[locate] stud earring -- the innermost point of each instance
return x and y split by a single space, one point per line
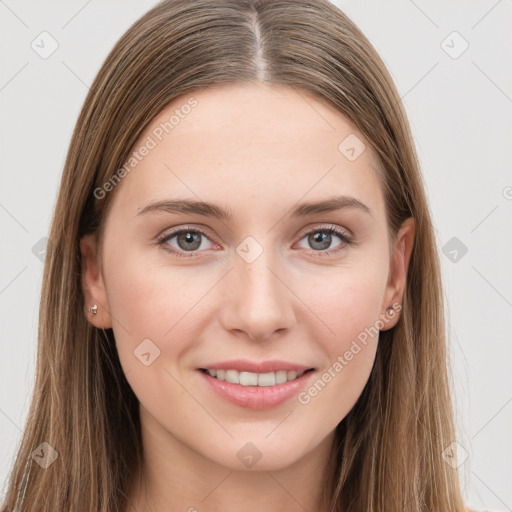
94 309
389 311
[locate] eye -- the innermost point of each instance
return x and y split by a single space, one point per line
188 240
321 239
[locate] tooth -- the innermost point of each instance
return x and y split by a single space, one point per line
292 375
248 379
255 379
281 376
233 376
266 379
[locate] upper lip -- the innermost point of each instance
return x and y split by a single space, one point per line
244 365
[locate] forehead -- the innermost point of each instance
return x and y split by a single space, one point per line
245 143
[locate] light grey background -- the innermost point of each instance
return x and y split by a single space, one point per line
459 108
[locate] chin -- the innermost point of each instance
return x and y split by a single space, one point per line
259 454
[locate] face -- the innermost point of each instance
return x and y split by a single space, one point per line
261 281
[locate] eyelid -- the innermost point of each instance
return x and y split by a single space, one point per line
173 231
340 231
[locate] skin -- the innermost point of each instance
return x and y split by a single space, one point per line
256 151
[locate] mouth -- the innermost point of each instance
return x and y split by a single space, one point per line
253 379
266 386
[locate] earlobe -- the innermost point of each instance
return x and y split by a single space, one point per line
397 281
93 286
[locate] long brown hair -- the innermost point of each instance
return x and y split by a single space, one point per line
388 452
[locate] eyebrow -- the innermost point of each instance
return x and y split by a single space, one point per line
184 206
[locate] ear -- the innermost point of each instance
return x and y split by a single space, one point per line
93 285
397 280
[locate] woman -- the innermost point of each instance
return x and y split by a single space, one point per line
242 306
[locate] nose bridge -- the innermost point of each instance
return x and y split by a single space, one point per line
257 278
260 302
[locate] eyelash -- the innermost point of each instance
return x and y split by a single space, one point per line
332 230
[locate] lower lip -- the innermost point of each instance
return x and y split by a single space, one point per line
256 397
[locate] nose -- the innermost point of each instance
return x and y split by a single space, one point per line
259 303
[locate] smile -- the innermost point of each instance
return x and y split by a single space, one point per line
256 391
254 379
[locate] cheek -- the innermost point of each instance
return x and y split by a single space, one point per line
149 301
150 297
347 300
349 308
152 312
